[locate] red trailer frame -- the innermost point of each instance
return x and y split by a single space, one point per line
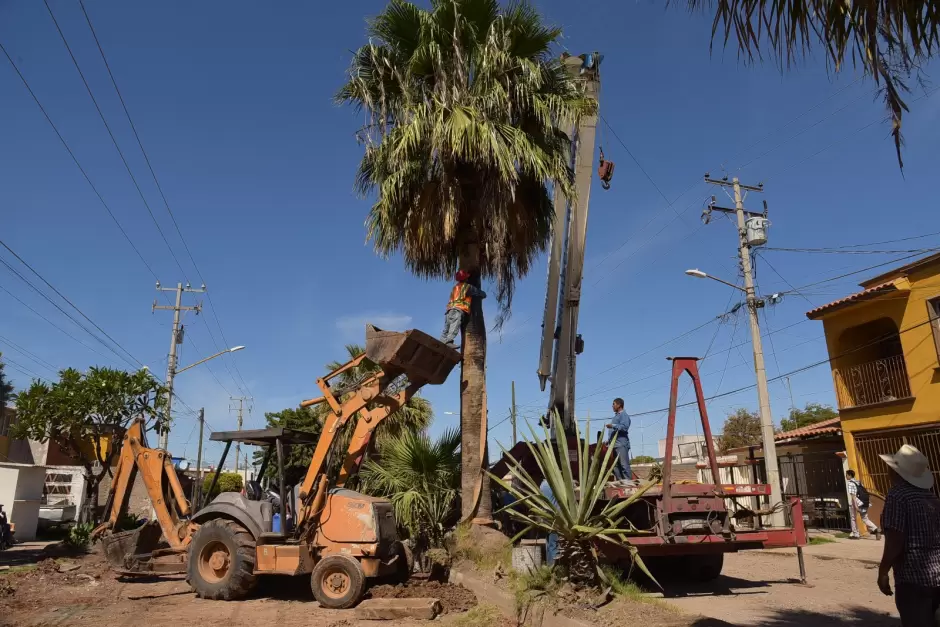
692 518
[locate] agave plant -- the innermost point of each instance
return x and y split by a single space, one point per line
581 524
421 478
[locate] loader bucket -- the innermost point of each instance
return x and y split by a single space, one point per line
422 358
130 551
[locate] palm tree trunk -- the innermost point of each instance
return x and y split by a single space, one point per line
474 482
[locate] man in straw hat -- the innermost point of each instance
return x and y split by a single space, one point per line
911 523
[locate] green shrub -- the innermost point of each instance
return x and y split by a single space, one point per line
126 522
79 536
228 482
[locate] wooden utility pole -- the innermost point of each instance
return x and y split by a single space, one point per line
197 493
744 224
513 414
240 408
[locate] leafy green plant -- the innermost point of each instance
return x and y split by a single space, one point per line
228 482
79 536
421 478
127 521
578 516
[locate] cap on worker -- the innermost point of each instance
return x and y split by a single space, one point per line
911 464
462 275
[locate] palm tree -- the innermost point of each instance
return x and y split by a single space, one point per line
890 40
463 107
421 478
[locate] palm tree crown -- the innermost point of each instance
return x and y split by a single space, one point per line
464 104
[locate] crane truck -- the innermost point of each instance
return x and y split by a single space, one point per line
341 538
692 525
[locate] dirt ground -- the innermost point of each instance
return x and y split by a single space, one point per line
453 598
755 589
763 589
91 595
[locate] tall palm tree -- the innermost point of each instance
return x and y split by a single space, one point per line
890 40
463 106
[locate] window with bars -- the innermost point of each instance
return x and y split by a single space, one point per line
933 310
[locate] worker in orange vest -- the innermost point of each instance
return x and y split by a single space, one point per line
458 307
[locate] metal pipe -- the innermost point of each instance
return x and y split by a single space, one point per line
280 480
218 471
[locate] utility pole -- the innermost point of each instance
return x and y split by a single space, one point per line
176 337
751 232
240 409
197 493
513 414
790 390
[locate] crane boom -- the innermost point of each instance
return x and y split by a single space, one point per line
561 342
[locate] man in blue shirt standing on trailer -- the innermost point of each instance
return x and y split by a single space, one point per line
620 426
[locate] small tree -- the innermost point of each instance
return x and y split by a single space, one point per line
228 482
742 428
642 459
809 415
80 410
6 391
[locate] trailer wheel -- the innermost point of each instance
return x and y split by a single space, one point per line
222 561
338 582
704 568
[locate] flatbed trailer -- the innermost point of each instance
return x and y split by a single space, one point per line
693 521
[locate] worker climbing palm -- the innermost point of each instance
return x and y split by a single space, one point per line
458 307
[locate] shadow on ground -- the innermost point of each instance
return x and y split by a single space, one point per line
853 617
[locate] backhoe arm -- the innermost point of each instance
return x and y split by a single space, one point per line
364 394
163 487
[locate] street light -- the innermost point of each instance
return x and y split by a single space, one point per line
202 361
698 274
172 371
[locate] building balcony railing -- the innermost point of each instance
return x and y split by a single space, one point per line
872 382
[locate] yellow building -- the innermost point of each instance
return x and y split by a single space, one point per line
884 350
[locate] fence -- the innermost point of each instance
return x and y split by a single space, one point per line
873 472
815 478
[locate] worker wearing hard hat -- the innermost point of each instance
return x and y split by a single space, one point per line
458 307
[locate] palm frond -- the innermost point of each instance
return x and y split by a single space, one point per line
889 40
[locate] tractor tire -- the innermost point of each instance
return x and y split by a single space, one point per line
705 568
222 561
338 582
404 565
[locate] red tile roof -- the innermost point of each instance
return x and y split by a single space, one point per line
858 296
832 425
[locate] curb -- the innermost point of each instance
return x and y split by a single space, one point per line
491 593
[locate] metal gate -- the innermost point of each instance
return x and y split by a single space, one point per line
817 479
872 470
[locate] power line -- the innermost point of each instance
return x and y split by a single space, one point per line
66 333
113 139
836 251
63 297
166 202
29 355
848 274
75 159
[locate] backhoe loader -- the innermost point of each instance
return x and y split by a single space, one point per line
338 536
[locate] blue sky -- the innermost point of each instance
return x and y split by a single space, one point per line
233 105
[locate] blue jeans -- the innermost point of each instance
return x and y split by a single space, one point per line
622 470
453 320
551 548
